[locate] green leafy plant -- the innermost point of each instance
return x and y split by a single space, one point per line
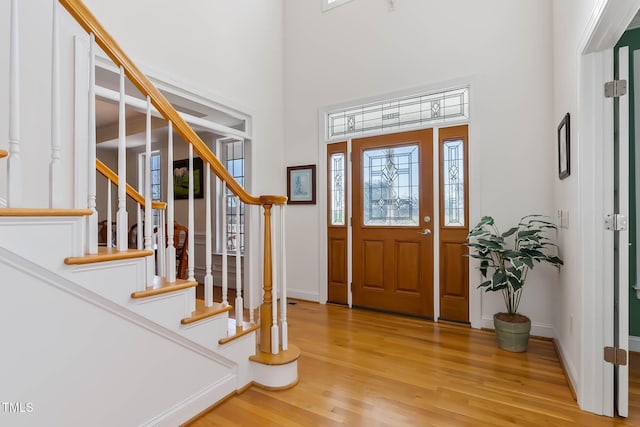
506 258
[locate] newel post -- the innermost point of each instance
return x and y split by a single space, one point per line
266 307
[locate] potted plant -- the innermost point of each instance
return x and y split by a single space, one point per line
505 260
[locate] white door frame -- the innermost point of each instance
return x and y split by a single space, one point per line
595 127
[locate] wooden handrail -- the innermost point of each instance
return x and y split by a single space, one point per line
131 192
3 153
91 25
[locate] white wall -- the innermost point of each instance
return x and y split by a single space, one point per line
570 18
361 49
229 51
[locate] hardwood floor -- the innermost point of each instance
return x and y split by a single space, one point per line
360 368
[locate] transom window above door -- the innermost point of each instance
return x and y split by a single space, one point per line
410 111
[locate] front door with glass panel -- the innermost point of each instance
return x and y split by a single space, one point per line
392 222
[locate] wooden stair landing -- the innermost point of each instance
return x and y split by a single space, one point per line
107 254
160 286
290 355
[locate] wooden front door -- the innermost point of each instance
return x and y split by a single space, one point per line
392 222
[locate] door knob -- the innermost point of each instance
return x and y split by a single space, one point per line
426 231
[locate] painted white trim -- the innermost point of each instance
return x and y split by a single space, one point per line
198 95
304 295
3 203
569 367
195 404
622 284
595 387
435 222
537 329
140 106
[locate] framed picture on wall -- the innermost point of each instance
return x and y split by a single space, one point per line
301 185
181 179
564 152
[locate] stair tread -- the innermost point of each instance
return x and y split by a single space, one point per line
203 312
3 153
107 254
235 332
161 286
290 355
43 212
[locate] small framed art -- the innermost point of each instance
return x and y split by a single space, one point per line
301 185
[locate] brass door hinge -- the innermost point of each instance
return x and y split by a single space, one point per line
614 355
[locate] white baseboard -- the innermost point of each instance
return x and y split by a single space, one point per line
195 404
303 295
634 343
537 329
569 367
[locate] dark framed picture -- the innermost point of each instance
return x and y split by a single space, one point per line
564 145
301 185
181 178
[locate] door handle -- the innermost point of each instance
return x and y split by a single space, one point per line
426 232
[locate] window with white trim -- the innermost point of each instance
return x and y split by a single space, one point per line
406 112
234 160
155 180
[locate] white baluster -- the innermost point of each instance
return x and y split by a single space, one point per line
191 252
284 327
239 303
92 221
171 249
139 226
208 277
55 171
225 241
14 163
275 334
109 236
161 249
148 218
122 218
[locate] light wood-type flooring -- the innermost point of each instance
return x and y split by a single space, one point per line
362 368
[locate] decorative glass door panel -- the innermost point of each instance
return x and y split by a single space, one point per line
391 186
393 206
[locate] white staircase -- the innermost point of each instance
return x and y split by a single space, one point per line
106 343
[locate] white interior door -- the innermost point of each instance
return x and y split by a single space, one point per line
622 246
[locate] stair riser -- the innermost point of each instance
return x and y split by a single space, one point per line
36 238
165 309
243 345
115 280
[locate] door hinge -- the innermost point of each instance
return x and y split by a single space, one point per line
615 222
614 355
615 88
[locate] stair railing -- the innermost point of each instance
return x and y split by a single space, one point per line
273 328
